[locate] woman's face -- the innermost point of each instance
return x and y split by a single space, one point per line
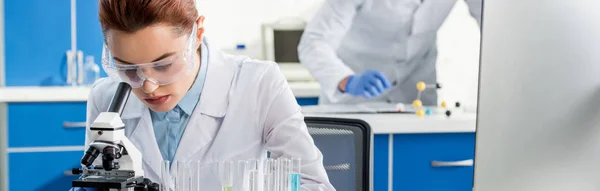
152 44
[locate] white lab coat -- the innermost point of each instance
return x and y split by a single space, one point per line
397 37
246 108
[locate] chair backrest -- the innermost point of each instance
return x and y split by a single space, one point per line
346 147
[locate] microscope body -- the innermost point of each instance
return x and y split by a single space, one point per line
120 165
121 162
108 135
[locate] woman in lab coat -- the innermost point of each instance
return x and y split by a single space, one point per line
193 102
375 50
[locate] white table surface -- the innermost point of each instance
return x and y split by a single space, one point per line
405 123
67 94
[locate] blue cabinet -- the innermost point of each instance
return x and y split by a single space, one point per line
42 170
308 101
414 153
380 162
42 124
412 159
40 148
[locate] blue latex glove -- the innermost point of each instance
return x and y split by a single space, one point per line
369 84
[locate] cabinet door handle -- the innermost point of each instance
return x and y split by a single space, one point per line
460 163
69 125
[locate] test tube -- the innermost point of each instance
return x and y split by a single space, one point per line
165 181
288 172
174 175
182 176
195 172
241 174
268 174
296 164
227 179
253 175
276 175
253 180
252 164
284 174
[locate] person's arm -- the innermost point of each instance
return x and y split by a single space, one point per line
321 38
475 9
284 131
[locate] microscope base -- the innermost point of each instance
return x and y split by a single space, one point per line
101 183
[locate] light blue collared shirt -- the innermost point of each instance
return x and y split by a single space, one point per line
169 126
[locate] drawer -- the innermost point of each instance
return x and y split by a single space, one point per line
307 101
42 124
380 161
414 154
42 170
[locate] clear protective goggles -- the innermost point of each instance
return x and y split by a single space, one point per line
163 72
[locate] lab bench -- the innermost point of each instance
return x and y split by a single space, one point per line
432 153
410 153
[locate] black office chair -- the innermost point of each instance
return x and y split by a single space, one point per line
346 147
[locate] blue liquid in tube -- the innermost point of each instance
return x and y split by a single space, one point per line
294 182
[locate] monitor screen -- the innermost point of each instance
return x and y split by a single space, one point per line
286 45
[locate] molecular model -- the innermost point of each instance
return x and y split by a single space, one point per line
418 104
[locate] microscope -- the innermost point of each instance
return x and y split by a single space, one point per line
121 167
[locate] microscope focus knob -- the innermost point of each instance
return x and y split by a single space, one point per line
147 185
76 171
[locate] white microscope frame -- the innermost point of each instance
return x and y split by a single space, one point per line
108 127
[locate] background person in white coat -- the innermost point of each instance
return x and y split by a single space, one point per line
193 102
375 50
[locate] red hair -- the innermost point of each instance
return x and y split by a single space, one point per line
133 15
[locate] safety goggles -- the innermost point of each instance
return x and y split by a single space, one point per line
163 72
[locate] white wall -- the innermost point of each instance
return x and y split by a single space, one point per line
229 22
238 21
458 58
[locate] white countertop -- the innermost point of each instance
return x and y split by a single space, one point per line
405 123
68 94
299 79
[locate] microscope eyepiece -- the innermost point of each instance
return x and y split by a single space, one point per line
90 156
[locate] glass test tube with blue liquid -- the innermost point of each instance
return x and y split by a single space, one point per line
294 184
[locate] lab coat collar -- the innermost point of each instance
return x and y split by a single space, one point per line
200 130
219 77
192 97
